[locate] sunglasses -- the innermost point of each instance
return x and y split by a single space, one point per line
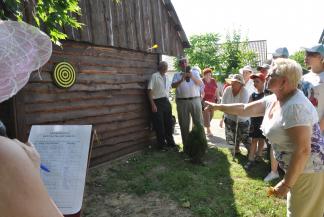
273 74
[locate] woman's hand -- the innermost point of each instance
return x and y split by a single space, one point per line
281 189
209 105
31 152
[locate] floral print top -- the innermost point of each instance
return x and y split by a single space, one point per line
296 111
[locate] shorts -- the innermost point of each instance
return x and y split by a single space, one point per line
242 134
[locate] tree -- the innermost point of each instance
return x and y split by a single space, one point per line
299 58
207 51
50 15
234 55
203 50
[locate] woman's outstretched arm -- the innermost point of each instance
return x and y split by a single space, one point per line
252 109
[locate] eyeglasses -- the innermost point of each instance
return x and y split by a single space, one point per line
272 74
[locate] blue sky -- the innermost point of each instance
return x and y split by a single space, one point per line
290 23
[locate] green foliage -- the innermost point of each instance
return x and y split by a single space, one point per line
203 50
299 58
52 15
197 144
235 54
207 51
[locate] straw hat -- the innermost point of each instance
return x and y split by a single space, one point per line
236 77
23 49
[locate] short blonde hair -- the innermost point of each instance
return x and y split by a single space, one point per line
288 68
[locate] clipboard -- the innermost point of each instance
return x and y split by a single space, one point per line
66 151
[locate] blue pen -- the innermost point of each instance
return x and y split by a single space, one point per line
43 167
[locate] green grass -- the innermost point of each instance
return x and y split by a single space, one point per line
221 188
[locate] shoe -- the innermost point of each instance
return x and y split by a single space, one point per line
237 151
271 176
258 159
249 165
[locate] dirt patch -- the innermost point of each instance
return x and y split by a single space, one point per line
126 205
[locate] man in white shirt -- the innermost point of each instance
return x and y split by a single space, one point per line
158 93
313 82
188 85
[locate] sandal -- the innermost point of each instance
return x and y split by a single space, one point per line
249 165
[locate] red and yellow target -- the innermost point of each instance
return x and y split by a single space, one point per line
64 75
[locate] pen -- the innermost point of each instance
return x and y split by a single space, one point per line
43 167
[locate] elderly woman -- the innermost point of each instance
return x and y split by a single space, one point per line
236 127
210 94
291 124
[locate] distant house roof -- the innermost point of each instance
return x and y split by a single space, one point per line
321 40
260 48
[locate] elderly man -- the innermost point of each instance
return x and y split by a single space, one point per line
158 93
247 71
188 85
313 82
236 127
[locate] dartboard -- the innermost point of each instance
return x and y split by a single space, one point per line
64 75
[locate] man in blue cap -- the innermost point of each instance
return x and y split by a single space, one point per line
313 82
281 52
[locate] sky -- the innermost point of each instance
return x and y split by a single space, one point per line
283 23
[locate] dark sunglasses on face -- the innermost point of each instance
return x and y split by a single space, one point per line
272 75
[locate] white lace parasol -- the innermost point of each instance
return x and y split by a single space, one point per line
23 49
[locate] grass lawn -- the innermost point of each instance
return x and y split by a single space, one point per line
220 188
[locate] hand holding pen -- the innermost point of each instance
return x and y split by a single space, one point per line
32 153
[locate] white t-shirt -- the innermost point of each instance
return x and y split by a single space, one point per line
249 86
160 85
313 88
296 111
187 89
242 97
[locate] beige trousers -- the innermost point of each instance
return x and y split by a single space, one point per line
306 198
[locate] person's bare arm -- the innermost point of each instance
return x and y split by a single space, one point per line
22 190
196 80
301 137
252 109
216 95
153 106
177 83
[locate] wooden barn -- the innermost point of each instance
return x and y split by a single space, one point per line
112 62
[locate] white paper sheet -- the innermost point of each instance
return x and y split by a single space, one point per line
64 151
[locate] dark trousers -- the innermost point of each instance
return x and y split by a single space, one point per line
163 123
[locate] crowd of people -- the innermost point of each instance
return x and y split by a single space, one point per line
276 105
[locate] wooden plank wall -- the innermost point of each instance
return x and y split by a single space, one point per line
131 24
110 93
